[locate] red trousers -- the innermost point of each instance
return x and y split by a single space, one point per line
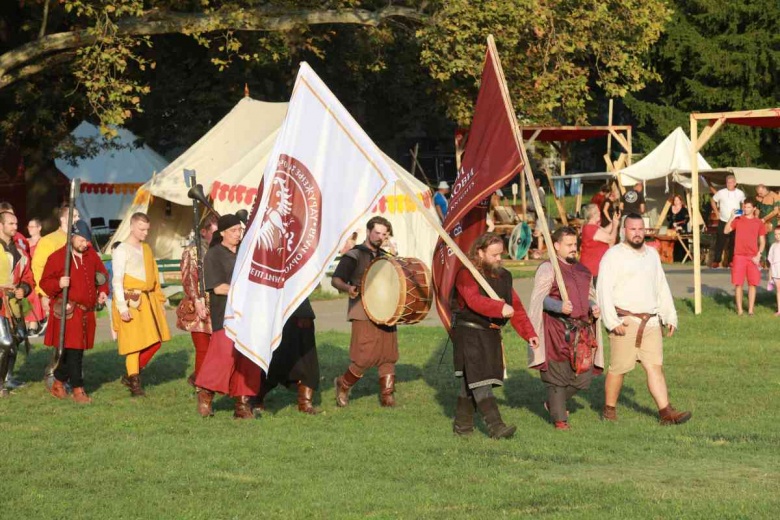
147 354
226 370
201 342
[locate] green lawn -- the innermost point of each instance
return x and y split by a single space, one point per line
155 458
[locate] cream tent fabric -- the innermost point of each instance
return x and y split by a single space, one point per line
229 162
669 157
115 166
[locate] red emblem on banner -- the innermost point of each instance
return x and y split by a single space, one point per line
290 230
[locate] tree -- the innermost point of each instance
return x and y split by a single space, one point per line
715 56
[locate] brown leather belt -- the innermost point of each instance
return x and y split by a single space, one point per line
643 316
477 326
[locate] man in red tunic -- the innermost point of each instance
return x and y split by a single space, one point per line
562 325
476 335
88 287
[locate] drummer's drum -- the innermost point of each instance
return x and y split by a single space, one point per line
396 290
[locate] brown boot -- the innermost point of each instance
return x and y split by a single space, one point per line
386 390
243 409
671 416
80 396
58 389
305 396
205 397
191 380
464 417
492 417
343 384
134 384
609 413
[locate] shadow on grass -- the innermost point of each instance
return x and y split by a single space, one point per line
725 299
106 366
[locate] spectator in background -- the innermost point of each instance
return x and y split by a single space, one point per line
610 208
440 199
542 197
34 230
724 202
633 200
768 206
773 259
601 197
596 240
677 219
749 243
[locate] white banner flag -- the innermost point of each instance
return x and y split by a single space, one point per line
323 175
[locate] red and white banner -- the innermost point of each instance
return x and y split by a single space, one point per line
492 156
323 175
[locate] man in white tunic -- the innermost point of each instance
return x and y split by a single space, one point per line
636 302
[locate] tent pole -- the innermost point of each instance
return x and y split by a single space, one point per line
696 227
609 136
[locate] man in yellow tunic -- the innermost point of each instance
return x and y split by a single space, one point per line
46 246
137 308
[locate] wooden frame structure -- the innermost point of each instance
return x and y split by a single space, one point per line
764 118
558 135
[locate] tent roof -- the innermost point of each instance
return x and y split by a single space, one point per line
226 153
765 118
673 155
568 133
125 164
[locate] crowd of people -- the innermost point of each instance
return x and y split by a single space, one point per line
603 274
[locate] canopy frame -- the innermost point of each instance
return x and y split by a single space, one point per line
763 118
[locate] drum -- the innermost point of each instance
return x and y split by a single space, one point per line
396 290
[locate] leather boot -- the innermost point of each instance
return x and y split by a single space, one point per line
191 380
305 396
205 397
609 413
11 382
464 416
80 396
243 409
386 390
58 389
671 416
343 384
134 384
496 427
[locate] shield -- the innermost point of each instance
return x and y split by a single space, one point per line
520 241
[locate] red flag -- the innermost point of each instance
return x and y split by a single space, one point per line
490 160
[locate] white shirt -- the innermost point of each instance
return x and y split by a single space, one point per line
125 259
634 280
728 201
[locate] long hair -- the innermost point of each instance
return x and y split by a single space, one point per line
482 242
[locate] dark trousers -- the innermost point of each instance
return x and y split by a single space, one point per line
723 242
70 367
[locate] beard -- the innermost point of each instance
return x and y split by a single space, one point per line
636 245
571 260
491 270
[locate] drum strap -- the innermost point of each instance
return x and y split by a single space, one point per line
477 326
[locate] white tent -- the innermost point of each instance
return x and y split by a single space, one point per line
673 155
229 162
110 179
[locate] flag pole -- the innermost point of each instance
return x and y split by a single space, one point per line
434 222
541 219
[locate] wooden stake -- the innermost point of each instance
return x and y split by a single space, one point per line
696 229
609 136
662 215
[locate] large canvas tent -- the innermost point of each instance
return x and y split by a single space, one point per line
110 179
667 164
229 162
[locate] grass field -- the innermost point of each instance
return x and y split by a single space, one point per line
155 458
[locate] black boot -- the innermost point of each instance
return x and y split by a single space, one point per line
464 417
492 417
11 383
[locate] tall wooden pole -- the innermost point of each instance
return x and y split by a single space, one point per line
609 136
696 228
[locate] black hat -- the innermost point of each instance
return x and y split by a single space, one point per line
81 228
227 222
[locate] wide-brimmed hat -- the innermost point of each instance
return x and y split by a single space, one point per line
443 186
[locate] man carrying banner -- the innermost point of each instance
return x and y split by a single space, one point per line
567 333
295 363
225 369
479 361
88 283
137 309
16 283
371 345
192 314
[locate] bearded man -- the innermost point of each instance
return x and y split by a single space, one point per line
570 351
476 334
636 302
88 287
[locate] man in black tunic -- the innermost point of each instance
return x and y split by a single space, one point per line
294 362
476 335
